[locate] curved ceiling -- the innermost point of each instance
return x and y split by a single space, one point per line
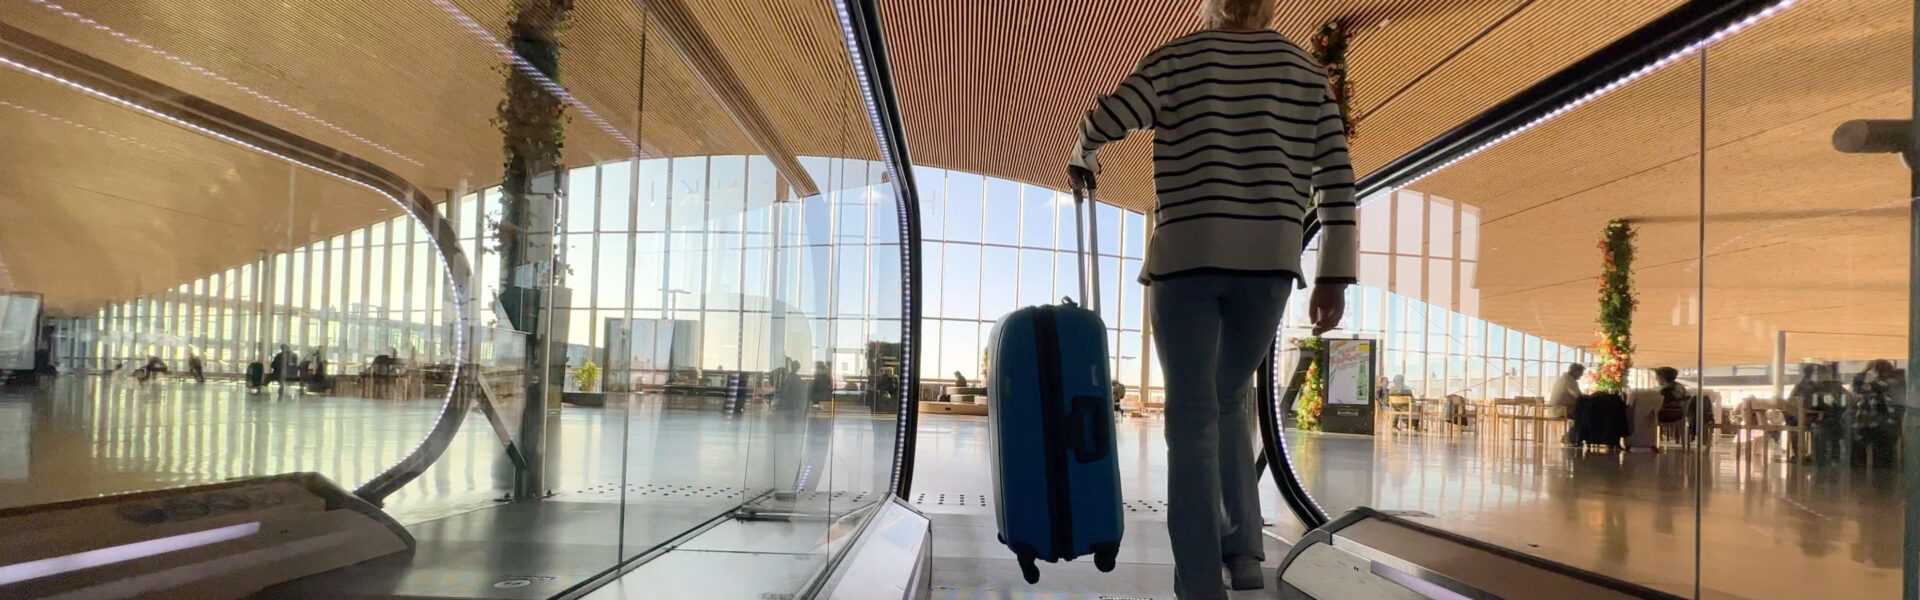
409 86
998 90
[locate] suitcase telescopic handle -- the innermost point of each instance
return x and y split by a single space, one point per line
1086 227
1090 433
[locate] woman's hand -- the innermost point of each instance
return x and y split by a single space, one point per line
1327 306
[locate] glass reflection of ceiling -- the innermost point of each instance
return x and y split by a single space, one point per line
409 86
1798 236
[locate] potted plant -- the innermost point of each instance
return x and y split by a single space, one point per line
587 380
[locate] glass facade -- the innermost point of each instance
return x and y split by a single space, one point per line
375 290
1419 257
991 245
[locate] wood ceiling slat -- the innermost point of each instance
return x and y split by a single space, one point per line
404 85
1540 40
1798 236
997 89
88 221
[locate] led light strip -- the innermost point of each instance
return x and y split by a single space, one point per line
82 19
459 296
520 64
907 344
48 567
1606 89
1280 437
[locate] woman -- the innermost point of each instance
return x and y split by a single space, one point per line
1248 143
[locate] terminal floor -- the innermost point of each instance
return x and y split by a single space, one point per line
1770 529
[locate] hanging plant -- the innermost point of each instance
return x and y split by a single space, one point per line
1312 401
531 120
1617 303
1330 50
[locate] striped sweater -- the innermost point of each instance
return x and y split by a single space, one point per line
1248 148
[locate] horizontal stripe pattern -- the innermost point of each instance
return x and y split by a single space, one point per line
1249 151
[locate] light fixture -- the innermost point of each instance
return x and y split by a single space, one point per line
48 567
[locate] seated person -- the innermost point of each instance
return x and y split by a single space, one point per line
1822 397
1565 394
1674 398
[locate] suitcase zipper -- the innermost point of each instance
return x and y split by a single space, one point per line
1046 336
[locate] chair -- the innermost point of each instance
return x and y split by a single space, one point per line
1532 410
1398 408
385 372
1644 408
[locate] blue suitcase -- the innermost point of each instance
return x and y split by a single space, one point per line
1056 476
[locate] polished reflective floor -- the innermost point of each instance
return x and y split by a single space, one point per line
1772 528
953 485
86 435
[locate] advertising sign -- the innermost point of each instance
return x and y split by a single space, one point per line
1350 371
19 317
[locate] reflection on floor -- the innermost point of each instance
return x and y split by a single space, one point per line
90 435
1770 529
953 485
627 478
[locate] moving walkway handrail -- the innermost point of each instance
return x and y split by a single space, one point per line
867 51
1274 446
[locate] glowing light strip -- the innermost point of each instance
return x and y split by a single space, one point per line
1414 583
1609 88
1280 437
907 343
48 567
175 59
460 299
526 68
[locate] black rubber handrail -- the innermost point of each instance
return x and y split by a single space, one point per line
1271 402
869 52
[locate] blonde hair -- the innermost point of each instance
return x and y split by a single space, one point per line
1236 14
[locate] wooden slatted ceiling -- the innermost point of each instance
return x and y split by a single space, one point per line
1798 236
88 220
410 88
998 89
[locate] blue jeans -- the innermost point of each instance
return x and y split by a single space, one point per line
1212 332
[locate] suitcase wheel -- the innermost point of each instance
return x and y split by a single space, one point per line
1103 559
1028 570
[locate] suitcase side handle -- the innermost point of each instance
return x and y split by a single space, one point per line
1090 434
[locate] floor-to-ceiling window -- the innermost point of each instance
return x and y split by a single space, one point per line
992 245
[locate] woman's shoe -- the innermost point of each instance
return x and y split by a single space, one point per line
1244 573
